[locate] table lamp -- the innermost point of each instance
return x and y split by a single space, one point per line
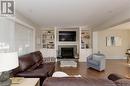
8 61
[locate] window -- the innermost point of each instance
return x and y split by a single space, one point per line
15 37
6 35
23 39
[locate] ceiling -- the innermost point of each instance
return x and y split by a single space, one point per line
124 26
65 13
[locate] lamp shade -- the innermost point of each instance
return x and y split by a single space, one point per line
8 61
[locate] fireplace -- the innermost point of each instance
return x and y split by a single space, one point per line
67 52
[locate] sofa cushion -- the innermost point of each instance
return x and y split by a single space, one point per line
122 82
41 71
37 73
49 67
35 66
32 67
40 62
25 62
37 56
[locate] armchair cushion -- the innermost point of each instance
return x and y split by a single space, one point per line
93 62
97 57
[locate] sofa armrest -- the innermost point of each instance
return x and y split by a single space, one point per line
115 77
15 71
76 81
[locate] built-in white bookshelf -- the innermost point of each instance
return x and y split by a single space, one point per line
85 39
48 39
50 42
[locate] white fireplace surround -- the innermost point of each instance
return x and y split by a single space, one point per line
80 53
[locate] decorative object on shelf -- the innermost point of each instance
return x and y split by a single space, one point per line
87 46
48 39
49 59
44 46
128 56
113 41
6 66
128 51
85 39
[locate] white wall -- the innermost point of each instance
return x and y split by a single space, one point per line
112 52
95 42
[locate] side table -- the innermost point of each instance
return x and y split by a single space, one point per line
28 82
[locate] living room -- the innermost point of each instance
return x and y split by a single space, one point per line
73 41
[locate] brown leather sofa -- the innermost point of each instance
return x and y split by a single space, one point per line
113 80
32 65
119 80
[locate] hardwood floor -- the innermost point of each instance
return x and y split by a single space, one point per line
112 66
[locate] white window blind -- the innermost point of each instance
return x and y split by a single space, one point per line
15 37
23 39
7 43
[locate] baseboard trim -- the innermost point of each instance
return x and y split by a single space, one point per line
116 57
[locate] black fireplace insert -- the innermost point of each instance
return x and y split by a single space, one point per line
67 52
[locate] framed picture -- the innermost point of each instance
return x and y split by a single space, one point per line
113 41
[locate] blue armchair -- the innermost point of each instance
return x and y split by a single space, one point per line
96 61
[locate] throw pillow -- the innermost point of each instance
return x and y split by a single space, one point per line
60 74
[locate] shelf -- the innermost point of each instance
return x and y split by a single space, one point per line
85 39
48 39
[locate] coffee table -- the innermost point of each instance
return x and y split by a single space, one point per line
28 82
